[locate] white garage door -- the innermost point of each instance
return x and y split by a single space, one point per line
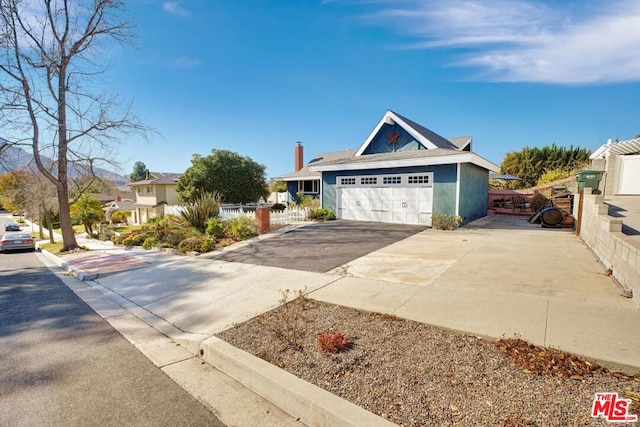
404 198
629 175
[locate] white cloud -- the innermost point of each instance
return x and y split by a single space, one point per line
573 42
174 7
184 62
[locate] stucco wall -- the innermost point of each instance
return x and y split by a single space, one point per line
444 185
617 251
474 187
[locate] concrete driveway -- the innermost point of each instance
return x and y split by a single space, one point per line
322 246
497 254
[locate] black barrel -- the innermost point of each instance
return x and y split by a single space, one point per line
552 217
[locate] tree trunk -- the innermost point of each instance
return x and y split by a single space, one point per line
68 236
41 234
47 215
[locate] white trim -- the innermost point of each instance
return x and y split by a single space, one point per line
458 189
388 117
297 178
467 157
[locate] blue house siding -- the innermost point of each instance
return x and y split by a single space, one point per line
292 189
444 185
474 188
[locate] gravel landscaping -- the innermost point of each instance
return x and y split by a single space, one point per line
419 375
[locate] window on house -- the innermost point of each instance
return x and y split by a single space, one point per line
139 190
149 190
309 186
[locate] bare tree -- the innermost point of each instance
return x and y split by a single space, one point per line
52 59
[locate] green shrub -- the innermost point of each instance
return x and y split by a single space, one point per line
205 206
322 215
216 227
306 201
118 238
119 217
552 175
241 228
197 244
150 242
190 244
445 221
134 239
208 245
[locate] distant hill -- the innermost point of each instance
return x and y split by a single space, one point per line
15 158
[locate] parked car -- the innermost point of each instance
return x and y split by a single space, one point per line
17 241
12 226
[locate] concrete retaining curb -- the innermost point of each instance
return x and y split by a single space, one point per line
313 405
81 275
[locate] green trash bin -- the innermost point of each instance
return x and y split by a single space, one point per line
589 178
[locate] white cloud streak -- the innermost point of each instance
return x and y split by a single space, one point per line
175 8
571 43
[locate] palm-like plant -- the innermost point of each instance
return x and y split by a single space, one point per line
206 205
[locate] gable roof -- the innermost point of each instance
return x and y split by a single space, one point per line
424 136
462 142
158 178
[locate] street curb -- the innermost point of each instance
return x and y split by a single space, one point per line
313 405
81 275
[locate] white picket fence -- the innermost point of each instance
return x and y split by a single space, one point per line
286 216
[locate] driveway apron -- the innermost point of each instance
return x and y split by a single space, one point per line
321 247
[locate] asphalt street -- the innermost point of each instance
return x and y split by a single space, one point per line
63 365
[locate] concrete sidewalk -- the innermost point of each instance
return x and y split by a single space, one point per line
496 277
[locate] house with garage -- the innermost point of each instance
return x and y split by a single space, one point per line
402 173
621 162
154 194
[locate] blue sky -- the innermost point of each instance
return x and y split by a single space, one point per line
257 76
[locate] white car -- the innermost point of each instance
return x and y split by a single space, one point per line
17 241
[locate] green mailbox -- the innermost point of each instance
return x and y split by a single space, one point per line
589 178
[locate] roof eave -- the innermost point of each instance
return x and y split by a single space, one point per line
420 161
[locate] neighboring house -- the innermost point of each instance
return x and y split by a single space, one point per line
121 205
153 194
621 162
402 173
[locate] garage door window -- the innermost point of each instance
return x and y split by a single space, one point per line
369 180
347 181
392 180
419 179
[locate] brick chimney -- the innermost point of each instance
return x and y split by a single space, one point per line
118 198
298 157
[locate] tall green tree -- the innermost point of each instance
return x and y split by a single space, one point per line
530 163
88 212
53 54
236 178
140 172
